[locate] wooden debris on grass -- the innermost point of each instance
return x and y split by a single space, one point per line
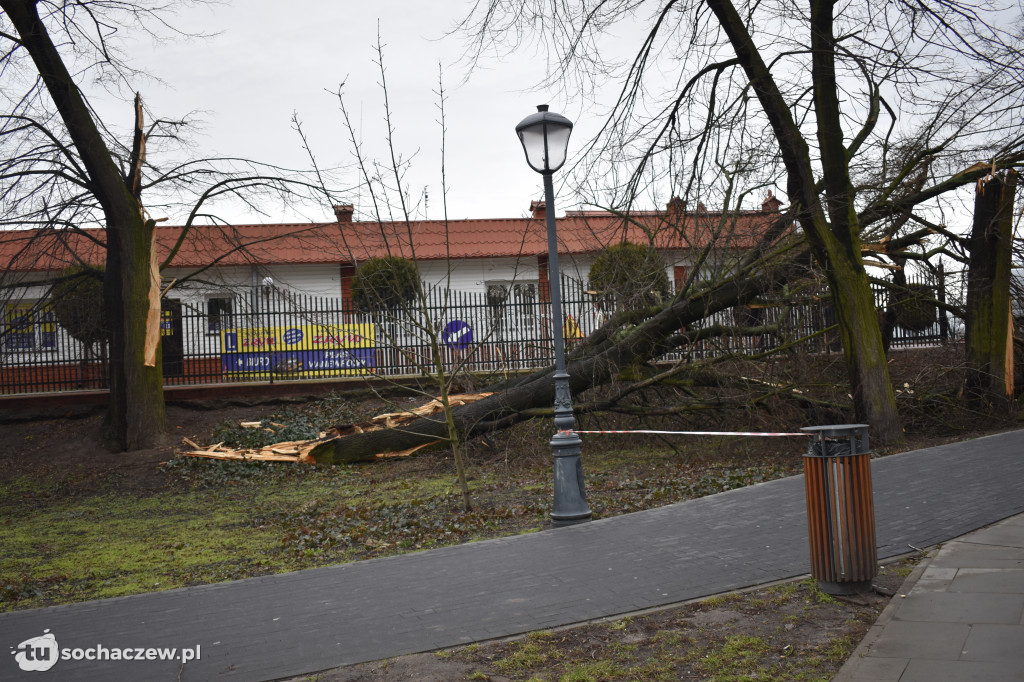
281 452
392 420
298 451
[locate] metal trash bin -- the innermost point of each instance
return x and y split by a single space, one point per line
840 509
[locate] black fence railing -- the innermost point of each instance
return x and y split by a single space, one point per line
273 334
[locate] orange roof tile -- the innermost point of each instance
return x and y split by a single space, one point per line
578 232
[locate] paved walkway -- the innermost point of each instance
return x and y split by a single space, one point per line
285 625
959 616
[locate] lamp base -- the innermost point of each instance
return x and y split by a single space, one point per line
570 505
562 522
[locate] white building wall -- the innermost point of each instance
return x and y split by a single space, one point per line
324 280
321 280
472 274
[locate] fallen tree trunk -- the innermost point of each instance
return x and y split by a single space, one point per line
299 451
593 362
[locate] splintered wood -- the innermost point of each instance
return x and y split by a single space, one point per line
298 451
291 451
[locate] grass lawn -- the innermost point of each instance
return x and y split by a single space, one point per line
211 521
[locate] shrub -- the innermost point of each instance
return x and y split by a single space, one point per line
384 283
915 307
629 275
77 300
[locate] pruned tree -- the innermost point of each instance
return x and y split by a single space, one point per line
914 306
76 299
64 170
865 112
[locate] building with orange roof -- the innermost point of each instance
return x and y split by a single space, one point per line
212 264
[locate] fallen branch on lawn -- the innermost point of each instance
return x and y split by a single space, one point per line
299 450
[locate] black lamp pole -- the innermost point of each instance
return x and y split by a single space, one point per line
545 138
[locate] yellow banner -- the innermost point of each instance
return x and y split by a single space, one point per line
300 351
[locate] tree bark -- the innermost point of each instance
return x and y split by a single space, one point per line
989 332
832 230
136 417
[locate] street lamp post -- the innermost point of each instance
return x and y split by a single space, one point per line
545 139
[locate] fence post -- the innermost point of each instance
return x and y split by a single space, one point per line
943 315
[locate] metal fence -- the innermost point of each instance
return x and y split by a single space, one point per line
272 334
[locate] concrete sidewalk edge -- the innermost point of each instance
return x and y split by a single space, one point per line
848 672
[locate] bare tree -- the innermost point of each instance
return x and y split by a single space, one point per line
411 327
64 170
865 112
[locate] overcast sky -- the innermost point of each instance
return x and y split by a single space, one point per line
269 59
266 63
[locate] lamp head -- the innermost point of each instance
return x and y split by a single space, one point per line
545 139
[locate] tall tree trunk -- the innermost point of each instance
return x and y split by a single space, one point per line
839 248
136 416
833 230
873 399
989 333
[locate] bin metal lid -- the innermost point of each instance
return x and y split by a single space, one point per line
834 430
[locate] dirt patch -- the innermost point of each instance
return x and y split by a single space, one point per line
68 453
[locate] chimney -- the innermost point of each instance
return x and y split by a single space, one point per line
771 204
537 208
701 208
675 207
344 212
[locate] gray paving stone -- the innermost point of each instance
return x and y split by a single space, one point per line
915 639
962 608
1010 535
981 580
979 556
961 671
873 669
939 574
995 643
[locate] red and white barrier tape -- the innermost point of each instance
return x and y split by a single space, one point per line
701 433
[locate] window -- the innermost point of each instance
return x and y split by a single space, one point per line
30 326
218 314
512 307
